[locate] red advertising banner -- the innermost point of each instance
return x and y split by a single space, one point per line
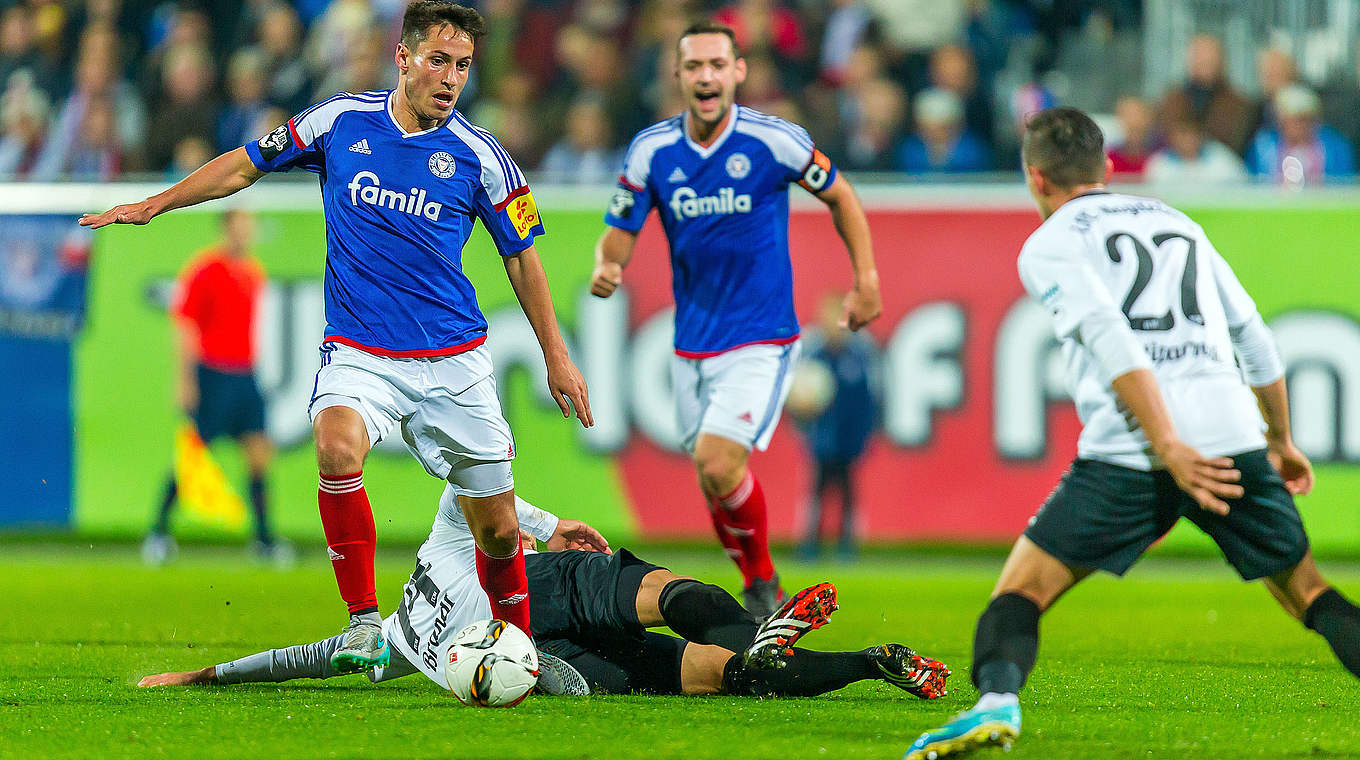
975 430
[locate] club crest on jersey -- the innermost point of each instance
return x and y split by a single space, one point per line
687 204
441 165
374 194
738 166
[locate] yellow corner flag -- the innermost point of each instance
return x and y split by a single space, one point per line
203 489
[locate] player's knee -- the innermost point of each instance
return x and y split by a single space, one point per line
497 536
719 472
338 454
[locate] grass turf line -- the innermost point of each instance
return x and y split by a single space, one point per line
1179 659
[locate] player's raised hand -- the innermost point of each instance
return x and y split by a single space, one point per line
605 279
128 213
574 534
862 305
1293 466
568 389
1208 481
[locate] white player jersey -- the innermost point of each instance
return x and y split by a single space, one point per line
443 594
1107 254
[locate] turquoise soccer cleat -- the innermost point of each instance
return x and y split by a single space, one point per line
974 729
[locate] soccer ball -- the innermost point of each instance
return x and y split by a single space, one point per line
811 389
491 663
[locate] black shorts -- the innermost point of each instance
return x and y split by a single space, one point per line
584 609
1103 517
229 404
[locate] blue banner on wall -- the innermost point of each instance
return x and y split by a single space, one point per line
43 265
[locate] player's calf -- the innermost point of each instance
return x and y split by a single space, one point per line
705 614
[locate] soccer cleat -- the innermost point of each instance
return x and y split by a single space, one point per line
809 609
556 677
363 648
762 598
967 731
907 670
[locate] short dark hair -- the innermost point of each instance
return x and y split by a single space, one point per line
423 14
709 27
1066 146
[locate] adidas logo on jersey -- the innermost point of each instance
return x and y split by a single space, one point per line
374 194
677 176
361 147
688 204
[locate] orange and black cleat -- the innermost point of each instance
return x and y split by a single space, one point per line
806 610
908 670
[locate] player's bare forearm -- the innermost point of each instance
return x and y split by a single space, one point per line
228 173
1274 402
612 253
1208 480
864 302
203 677
1288 459
530 283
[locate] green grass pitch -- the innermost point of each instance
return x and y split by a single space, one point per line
1179 660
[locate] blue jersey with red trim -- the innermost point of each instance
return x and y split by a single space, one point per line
725 210
399 207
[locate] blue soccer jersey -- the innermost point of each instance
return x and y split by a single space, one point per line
399 207
725 209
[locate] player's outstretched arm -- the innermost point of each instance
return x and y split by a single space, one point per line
202 677
530 283
1208 480
612 253
220 177
863 303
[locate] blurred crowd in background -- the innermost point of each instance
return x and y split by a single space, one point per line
101 89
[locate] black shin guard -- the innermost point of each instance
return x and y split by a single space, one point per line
705 614
807 674
1006 644
1338 620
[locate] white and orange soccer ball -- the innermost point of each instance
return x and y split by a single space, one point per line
491 663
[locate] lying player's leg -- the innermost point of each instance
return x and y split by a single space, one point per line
706 614
276 665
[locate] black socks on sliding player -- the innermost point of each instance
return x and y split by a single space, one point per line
705 614
807 674
1338 620
1006 644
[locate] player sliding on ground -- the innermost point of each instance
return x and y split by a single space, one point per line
1149 316
593 609
403 176
718 175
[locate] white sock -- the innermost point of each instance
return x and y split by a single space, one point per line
992 700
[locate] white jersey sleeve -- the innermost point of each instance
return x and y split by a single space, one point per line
1057 274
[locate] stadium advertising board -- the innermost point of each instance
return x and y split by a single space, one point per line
975 427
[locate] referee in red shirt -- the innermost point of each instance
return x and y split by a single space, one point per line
216 300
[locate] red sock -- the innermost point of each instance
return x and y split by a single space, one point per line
729 541
347 520
745 517
506 586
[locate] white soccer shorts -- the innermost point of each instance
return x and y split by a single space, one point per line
447 407
738 394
